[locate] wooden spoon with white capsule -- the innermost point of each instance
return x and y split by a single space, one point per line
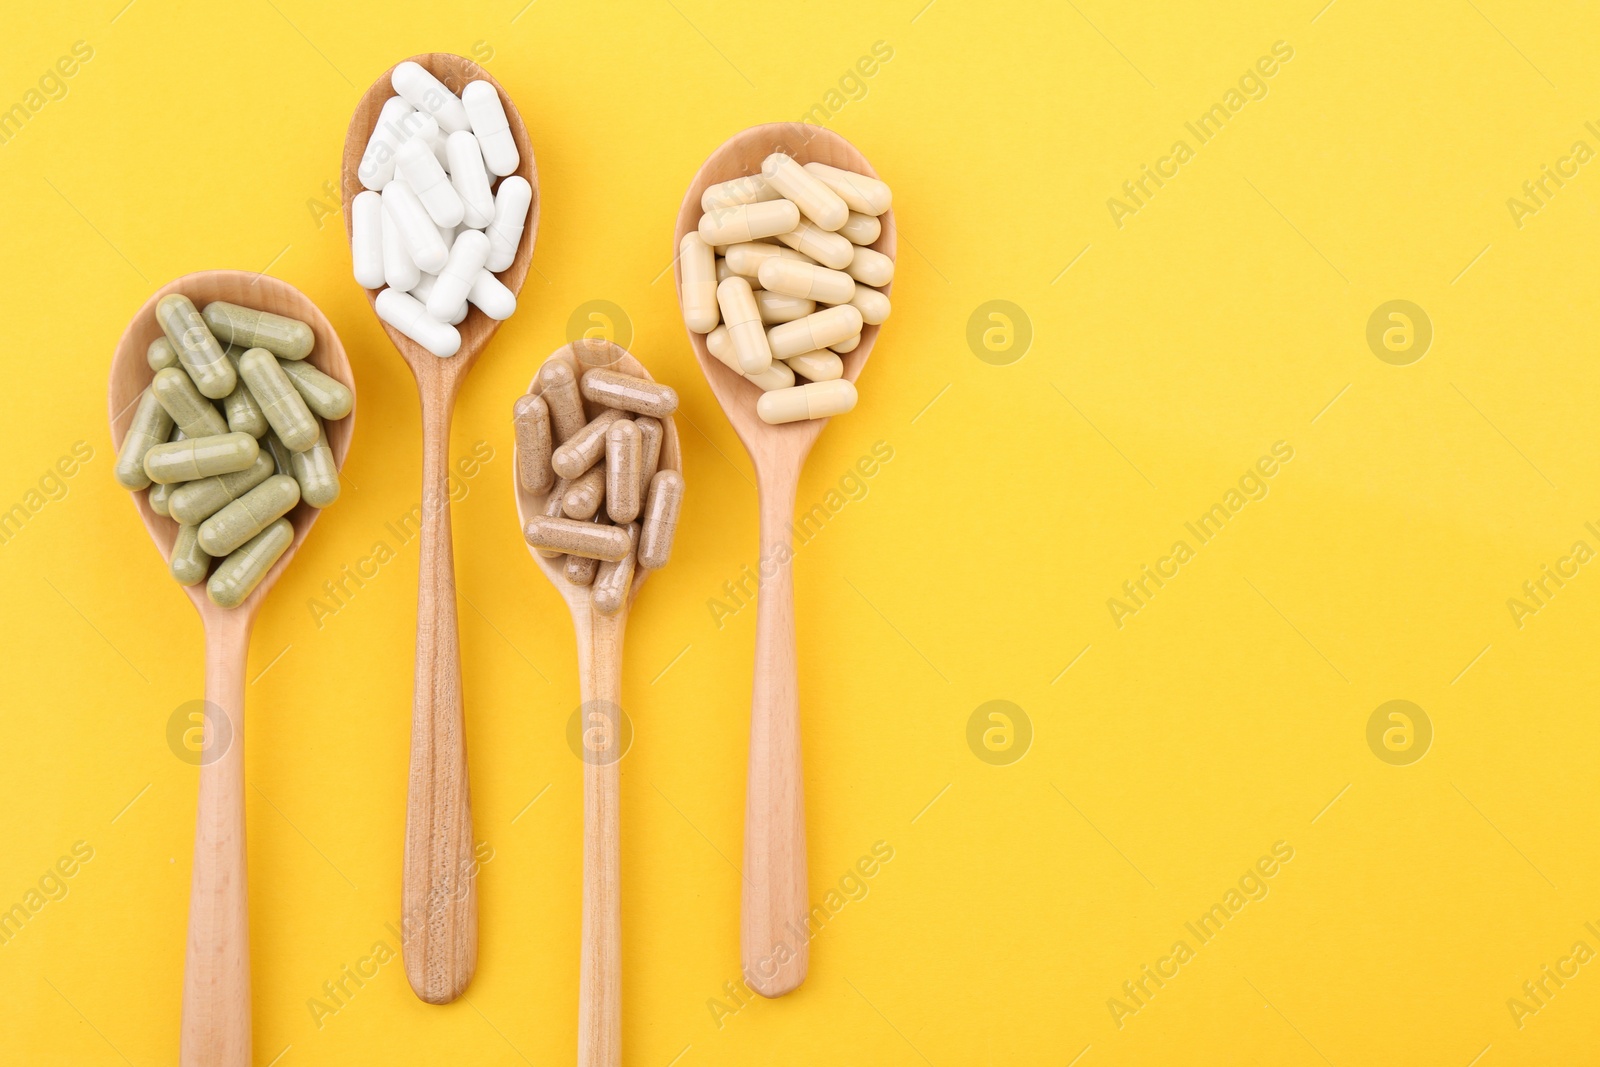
775 901
439 902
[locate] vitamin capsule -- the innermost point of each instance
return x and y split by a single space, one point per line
280 401
284 337
848 345
660 523
815 200
650 437
426 130
866 195
612 389
200 457
416 165
743 318
188 562
198 351
194 502
530 417
366 239
818 400
241 520
470 178
418 234
612 579
160 498
776 376
869 267
406 314
746 257
776 307
400 271
280 454
585 494
490 296
873 305
624 456
861 229
699 289
722 273
390 131
316 472
749 222
192 413
551 509
428 95
151 426
826 248
240 408
580 451
161 354
749 189
239 574
558 384
511 202
466 261
826 327
580 570
488 119
424 289
809 281
823 366
592 539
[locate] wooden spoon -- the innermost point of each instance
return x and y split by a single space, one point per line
439 900
216 971
775 899
600 683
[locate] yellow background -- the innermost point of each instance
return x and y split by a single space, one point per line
1228 714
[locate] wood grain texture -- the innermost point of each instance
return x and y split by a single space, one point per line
775 898
439 902
216 973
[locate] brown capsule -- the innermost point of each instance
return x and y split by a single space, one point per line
585 494
612 389
612 580
530 417
552 510
623 447
558 384
580 452
580 570
649 451
591 539
660 522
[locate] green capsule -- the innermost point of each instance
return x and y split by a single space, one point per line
161 354
316 472
248 328
197 349
249 515
189 561
279 400
150 427
244 414
326 396
280 454
241 572
200 457
158 498
194 414
194 502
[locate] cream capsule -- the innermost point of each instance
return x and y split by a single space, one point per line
200 457
742 316
746 257
242 571
188 563
489 125
861 229
511 202
366 239
722 273
280 401
284 337
592 539
316 472
151 426
873 305
826 248
818 400
827 327
490 296
161 355
823 366
416 165
417 231
192 413
650 437
749 222
848 345
660 522
327 396
815 199
241 520
585 494
197 349
776 376
699 288
467 257
612 389
580 451
390 131
470 179
406 314
194 502
530 418
428 95
749 189
776 307
861 193
400 271
624 456
558 384
809 281
580 570
869 267
611 581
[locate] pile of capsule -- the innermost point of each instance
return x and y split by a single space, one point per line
758 302
609 509
431 226
232 439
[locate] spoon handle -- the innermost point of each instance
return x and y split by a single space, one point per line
603 743
773 942
216 968
439 899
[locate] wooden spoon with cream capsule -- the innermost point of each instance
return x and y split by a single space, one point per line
600 684
439 902
774 960
216 970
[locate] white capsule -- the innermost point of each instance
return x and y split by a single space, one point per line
699 290
750 189
780 307
873 305
861 229
869 267
822 366
808 281
467 257
488 119
366 239
817 400
826 248
428 95
743 316
424 289
417 231
399 269
749 222
388 134
425 128
866 195
827 327
404 313
417 166
470 179
815 200
491 297
510 215
776 376
746 257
